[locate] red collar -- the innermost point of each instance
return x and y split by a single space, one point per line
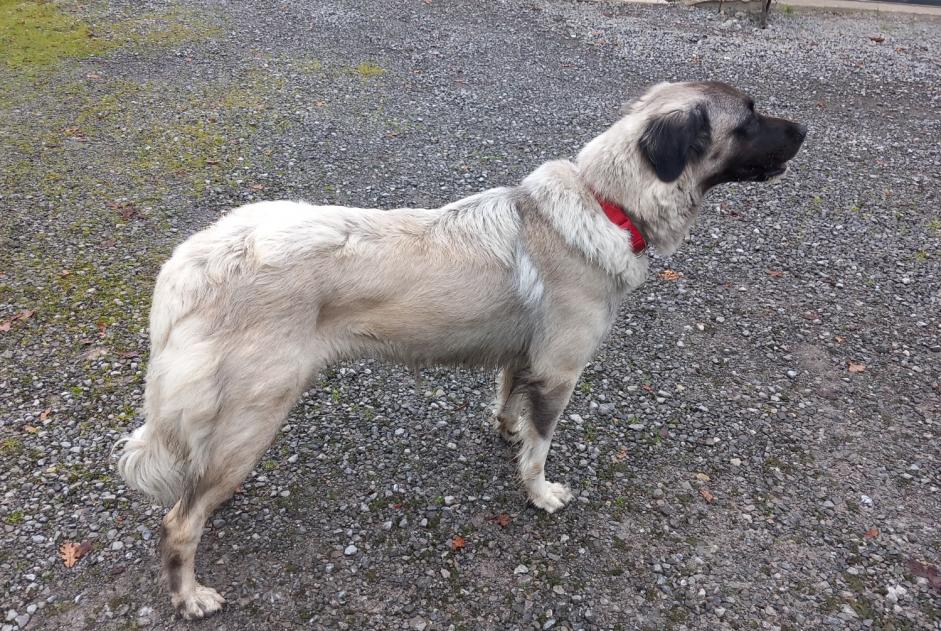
619 218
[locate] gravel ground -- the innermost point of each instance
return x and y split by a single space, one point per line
758 445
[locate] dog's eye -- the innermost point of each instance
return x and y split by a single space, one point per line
747 128
751 106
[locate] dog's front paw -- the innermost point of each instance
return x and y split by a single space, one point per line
199 602
550 496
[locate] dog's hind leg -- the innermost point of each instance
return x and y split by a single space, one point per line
547 399
509 405
236 445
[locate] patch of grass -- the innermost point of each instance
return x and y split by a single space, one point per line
175 29
309 65
677 614
591 433
11 446
369 70
855 583
787 9
36 34
14 518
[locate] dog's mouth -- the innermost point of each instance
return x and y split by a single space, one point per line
771 173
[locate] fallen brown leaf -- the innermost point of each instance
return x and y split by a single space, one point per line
29 429
872 533
258 187
646 387
71 552
45 414
775 273
926 571
621 455
102 327
95 352
702 477
669 274
706 495
877 38
457 543
856 368
6 325
502 520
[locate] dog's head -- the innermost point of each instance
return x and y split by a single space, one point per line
712 131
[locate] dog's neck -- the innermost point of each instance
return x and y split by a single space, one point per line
611 165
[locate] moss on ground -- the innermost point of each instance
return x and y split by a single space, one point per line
40 33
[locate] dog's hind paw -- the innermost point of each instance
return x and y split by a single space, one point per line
199 602
550 496
510 434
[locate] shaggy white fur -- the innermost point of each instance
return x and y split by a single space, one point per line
527 279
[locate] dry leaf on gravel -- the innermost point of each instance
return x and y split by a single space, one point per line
502 520
775 273
71 552
926 571
95 352
706 495
702 477
872 533
29 429
669 274
22 315
457 543
45 414
857 368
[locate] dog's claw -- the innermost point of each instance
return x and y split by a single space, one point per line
201 602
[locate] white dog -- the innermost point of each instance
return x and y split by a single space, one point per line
527 279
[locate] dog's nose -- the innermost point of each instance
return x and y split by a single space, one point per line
801 131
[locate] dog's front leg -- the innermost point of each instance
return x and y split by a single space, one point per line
547 399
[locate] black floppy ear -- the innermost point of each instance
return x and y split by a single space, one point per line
672 140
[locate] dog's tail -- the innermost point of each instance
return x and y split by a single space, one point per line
182 394
150 466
